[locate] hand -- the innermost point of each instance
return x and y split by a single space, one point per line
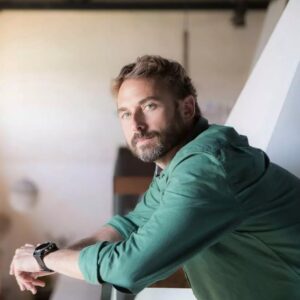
26 269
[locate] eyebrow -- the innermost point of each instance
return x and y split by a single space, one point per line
121 109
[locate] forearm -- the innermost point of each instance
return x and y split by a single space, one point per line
65 261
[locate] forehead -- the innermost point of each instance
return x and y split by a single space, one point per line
134 90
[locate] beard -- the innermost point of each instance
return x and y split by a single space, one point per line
160 142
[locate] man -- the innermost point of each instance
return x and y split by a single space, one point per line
216 206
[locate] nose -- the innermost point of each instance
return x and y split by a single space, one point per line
138 122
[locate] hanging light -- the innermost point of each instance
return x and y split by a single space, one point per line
23 196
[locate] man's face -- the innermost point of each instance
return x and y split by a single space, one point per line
150 119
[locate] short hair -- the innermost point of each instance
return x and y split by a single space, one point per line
169 71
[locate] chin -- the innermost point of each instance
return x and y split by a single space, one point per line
150 155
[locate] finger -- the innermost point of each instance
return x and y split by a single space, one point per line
30 287
43 273
37 282
23 280
26 276
30 278
20 284
34 282
29 245
25 283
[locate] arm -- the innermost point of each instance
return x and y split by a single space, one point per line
63 261
196 209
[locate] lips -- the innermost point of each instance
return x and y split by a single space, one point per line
141 139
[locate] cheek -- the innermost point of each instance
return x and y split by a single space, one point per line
157 120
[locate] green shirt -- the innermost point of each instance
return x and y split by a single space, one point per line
223 212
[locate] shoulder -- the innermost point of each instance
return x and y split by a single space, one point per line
208 147
219 150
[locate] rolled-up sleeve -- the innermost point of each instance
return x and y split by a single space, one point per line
129 223
196 208
123 225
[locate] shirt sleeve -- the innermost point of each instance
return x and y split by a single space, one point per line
196 209
130 223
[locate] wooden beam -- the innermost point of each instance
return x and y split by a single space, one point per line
131 185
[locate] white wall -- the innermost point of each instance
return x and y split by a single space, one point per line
273 14
284 145
263 97
220 59
58 125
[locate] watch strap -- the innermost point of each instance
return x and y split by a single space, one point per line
41 251
41 263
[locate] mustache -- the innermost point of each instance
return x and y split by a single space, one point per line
141 135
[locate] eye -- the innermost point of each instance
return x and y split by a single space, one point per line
125 115
149 106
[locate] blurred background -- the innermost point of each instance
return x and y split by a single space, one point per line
59 132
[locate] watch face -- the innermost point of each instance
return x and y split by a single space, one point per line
43 246
44 249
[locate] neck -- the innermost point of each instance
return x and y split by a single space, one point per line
165 160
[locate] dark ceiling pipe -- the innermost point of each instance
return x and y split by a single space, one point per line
132 5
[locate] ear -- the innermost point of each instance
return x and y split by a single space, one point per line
187 108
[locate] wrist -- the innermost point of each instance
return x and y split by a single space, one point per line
48 260
41 252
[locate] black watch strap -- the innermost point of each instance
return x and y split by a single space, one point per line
41 251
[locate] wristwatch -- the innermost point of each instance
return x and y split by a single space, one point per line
41 251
